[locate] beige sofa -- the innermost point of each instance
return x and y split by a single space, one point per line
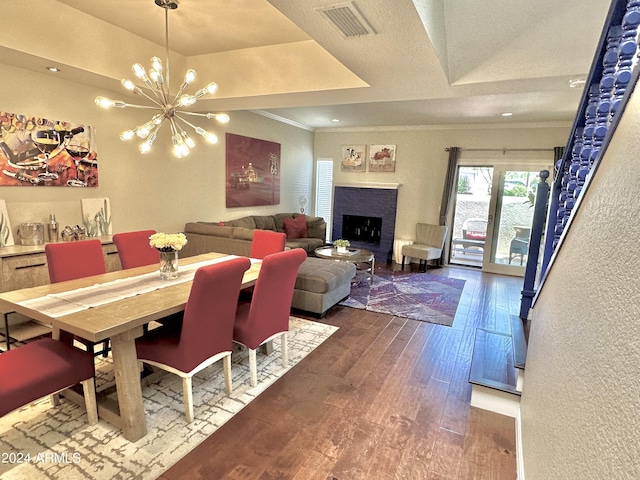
235 236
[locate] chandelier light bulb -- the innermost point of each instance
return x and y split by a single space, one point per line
188 140
209 89
156 63
127 135
139 71
108 103
156 76
165 103
145 147
186 100
190 76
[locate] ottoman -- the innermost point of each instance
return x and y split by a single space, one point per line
321 284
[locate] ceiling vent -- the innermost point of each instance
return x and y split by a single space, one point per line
347 19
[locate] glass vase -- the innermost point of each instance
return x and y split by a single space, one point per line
169 265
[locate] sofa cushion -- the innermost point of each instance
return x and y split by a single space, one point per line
242 233
278 219
322 276
246 222
295 227
265 222
208 229
316 227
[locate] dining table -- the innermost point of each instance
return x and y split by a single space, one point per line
116 306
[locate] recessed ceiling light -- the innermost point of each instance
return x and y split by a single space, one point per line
507 114
53 69
335 120
577 82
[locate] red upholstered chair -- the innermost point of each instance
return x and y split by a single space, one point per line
267 315
266 242
45 367
72 260
134 249
206 333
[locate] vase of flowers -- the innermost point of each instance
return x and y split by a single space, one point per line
341 245
168 244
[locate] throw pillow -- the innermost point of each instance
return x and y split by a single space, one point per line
295 227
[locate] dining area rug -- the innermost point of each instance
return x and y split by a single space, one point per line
417 296
39 441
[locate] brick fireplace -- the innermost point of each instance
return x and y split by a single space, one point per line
366 216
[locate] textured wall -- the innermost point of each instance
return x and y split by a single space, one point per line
581 399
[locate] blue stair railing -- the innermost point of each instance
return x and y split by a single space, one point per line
612 78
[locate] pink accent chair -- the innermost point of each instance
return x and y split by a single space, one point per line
45 367
267 315
134 249
206 333
73 260
266 242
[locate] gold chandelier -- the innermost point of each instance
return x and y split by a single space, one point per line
167 107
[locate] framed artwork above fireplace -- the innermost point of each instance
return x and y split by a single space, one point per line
354 158
382 158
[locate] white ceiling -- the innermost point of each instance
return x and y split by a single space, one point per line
431 62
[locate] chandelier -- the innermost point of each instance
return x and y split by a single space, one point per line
166 107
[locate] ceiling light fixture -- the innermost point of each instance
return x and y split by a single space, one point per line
577 82
507 114
166 107
53 69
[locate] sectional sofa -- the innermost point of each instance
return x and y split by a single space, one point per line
320 283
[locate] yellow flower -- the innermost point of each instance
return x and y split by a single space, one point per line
166 242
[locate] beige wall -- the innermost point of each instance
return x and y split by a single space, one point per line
421 160
581 398
154 191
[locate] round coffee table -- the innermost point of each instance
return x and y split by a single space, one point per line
363 259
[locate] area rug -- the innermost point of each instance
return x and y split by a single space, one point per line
39 441
418 296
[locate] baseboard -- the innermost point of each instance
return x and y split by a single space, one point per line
519 449
495 400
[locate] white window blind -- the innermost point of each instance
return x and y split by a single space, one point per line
324 192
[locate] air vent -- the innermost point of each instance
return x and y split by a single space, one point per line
347 19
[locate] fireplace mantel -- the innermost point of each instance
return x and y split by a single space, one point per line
393 186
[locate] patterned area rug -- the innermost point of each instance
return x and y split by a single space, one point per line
60 444
418 296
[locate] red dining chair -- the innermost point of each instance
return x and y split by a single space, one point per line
45 367
73 260
206 333
266 242
134 249
267 315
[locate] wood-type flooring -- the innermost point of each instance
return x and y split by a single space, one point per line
383 398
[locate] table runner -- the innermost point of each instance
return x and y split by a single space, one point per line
65 303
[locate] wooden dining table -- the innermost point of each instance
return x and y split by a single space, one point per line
120 320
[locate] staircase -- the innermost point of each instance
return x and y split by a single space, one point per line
497 369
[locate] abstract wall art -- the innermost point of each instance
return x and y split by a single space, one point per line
253 171
36 151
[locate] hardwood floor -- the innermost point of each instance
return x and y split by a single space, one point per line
383 398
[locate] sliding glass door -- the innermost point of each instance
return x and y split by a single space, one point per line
493 215
511 213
